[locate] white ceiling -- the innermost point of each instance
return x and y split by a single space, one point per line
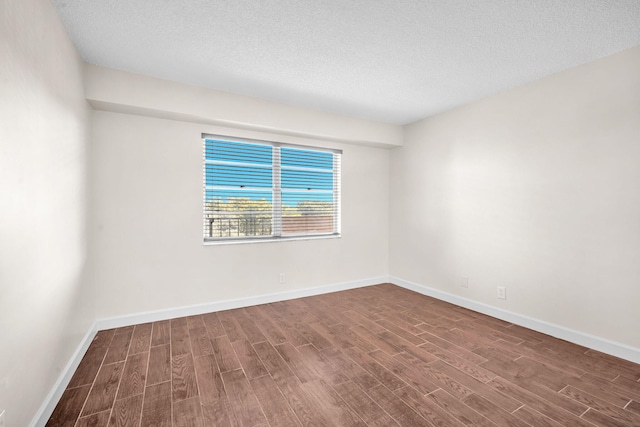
394 61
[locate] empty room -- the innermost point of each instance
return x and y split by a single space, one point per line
335 213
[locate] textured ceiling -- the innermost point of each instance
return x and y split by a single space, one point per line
394 61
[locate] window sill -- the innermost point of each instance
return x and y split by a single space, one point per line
268 240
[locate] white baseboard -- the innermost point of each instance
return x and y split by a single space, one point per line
192 310
613 348
46 409
42 416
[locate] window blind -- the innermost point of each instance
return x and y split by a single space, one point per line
264 190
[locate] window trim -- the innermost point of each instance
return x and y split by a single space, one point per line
276 192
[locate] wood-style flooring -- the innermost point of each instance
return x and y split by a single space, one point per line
375 356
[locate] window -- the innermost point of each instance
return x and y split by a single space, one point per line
257 190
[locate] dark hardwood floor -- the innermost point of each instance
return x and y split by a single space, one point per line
375 356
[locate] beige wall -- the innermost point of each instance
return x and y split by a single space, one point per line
119 91
535 189
147 181
43 140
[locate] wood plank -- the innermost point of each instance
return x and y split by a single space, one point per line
249 327
379 372
535 354
634 407
418 353
613 412
441 379
119 348
574 354
180 340
535 418
625 368
272 361
464 339
134 376
325 313
426 408
600 419
349 368
308 365
275 407
607 390
269 328
101 419
303 405
156 408
311 336
388 319
141 340
200 342
322 365
125 330
507 402
360 403
249 359
243 401
476 328
294 311
453 349
183 377
403 333
410 374
546 393
537 403
92 360
377 341
346 338
224 354
621 385
357 319
546 373
493 352
459 410
334 338
331 404
194 322
159 364
160 334
218 413
297 363
127 412
289 331
103 393
68 408
492 411
213 325
88 368
231 326
188 413
210 385
531 336
480 373
399 411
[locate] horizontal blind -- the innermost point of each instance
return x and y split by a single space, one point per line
307 185
256 189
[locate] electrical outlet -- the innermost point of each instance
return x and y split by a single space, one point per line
502 292
282 280
464 282
2 423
